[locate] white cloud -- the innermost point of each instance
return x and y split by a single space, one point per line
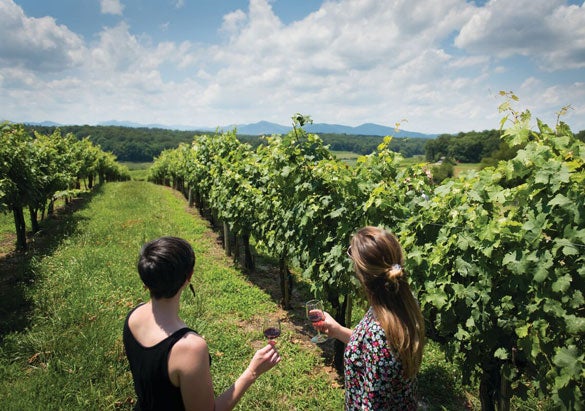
349 62
38 44
233 21
568 27
547 30
531 83
472 61
17 79
361 54
550 99
117 50
111 7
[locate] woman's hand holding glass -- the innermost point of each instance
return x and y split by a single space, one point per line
332 328
264 359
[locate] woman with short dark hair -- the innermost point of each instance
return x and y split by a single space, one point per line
170 362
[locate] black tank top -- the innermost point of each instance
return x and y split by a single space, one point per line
150 372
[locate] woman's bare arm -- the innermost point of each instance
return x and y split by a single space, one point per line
189 367
264 359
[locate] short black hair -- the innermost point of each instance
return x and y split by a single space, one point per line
164 265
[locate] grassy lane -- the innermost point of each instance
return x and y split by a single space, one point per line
70 354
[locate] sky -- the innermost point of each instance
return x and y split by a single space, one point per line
430 66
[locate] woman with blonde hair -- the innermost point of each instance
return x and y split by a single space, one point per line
384 352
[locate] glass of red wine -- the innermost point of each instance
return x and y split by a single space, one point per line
271 329
315 314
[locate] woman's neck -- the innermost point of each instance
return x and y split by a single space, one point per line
165 312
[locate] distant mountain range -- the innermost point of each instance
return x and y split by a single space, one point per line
367 129
268 128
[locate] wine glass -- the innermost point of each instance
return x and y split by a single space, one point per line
271 329
315 314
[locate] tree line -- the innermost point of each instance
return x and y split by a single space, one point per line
143 144
140 144
495 256
38 169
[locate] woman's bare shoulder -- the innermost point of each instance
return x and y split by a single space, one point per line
192 340
189 356
192 343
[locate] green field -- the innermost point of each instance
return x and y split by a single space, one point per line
138 171
75 288
347 157
350 158
464 167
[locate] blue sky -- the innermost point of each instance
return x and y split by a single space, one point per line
434 66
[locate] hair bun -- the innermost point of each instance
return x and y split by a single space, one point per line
393 275
395 271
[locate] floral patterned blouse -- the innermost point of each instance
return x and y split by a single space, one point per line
373 374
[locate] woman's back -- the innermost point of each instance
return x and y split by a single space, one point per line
374 377
148 359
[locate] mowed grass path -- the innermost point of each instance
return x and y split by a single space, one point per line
69 354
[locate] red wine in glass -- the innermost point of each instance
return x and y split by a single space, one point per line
271 329
315 314
271 333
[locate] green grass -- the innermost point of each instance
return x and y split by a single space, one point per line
411 161
138 171
348 157
7 236
63 350
464 167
